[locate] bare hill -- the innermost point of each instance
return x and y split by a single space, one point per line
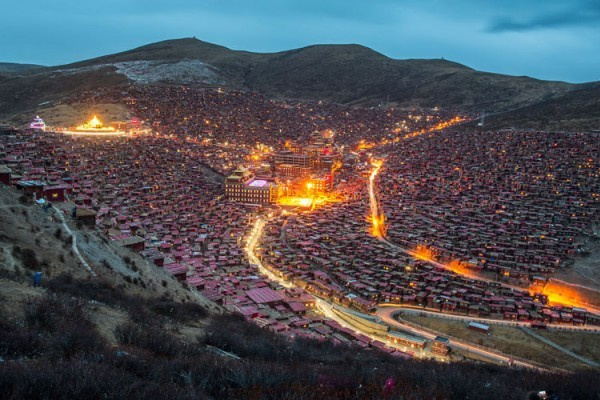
349 74
575 110
16 68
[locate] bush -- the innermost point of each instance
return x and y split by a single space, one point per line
54 325
27 257
25 199
149 337
181 312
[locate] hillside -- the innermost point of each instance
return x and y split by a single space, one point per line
578 109
132 333
16 68
349 74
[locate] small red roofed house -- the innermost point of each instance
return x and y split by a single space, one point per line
264 295
5 174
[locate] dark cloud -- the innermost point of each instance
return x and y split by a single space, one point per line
505 36
576 14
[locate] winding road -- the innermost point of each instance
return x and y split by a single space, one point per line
387 316
387 313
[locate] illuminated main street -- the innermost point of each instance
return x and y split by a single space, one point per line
377 216
324 307
251 244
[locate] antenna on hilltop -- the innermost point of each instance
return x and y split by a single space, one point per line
481 119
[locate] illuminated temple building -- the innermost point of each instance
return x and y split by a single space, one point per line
314 161
37 124
94 126
243 187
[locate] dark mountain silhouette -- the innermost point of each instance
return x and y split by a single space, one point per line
16 68
349 74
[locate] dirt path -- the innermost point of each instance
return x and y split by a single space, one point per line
74 247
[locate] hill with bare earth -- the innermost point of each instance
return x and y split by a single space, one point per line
349 74
578 109
11 68
133 332
35 240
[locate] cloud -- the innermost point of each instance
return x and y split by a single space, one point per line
554 39
578 14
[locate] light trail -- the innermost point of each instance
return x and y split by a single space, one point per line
377 216
387 315
251 246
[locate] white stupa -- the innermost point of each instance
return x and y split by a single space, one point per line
38 124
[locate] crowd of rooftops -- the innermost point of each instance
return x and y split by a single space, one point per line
153 189
163 189
519 204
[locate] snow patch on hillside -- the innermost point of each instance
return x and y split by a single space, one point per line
185 71
154 71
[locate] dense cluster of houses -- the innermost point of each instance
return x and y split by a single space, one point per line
516 203
330 253
162 194
151 193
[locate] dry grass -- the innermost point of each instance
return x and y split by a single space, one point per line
106 320
585 271
585 344
507 339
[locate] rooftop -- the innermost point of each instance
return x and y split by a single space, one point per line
264 295
258 183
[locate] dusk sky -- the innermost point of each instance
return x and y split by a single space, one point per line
546 39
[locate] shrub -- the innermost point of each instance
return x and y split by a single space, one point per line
181 312
25 199
27 257
54 325
149 337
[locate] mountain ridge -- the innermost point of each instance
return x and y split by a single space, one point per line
346 73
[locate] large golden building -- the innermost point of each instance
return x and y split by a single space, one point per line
243 187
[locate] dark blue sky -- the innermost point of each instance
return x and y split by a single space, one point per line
546 39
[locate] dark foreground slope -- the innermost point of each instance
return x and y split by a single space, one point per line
118 338
349 74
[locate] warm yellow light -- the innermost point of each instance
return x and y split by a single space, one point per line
95 122
309 185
